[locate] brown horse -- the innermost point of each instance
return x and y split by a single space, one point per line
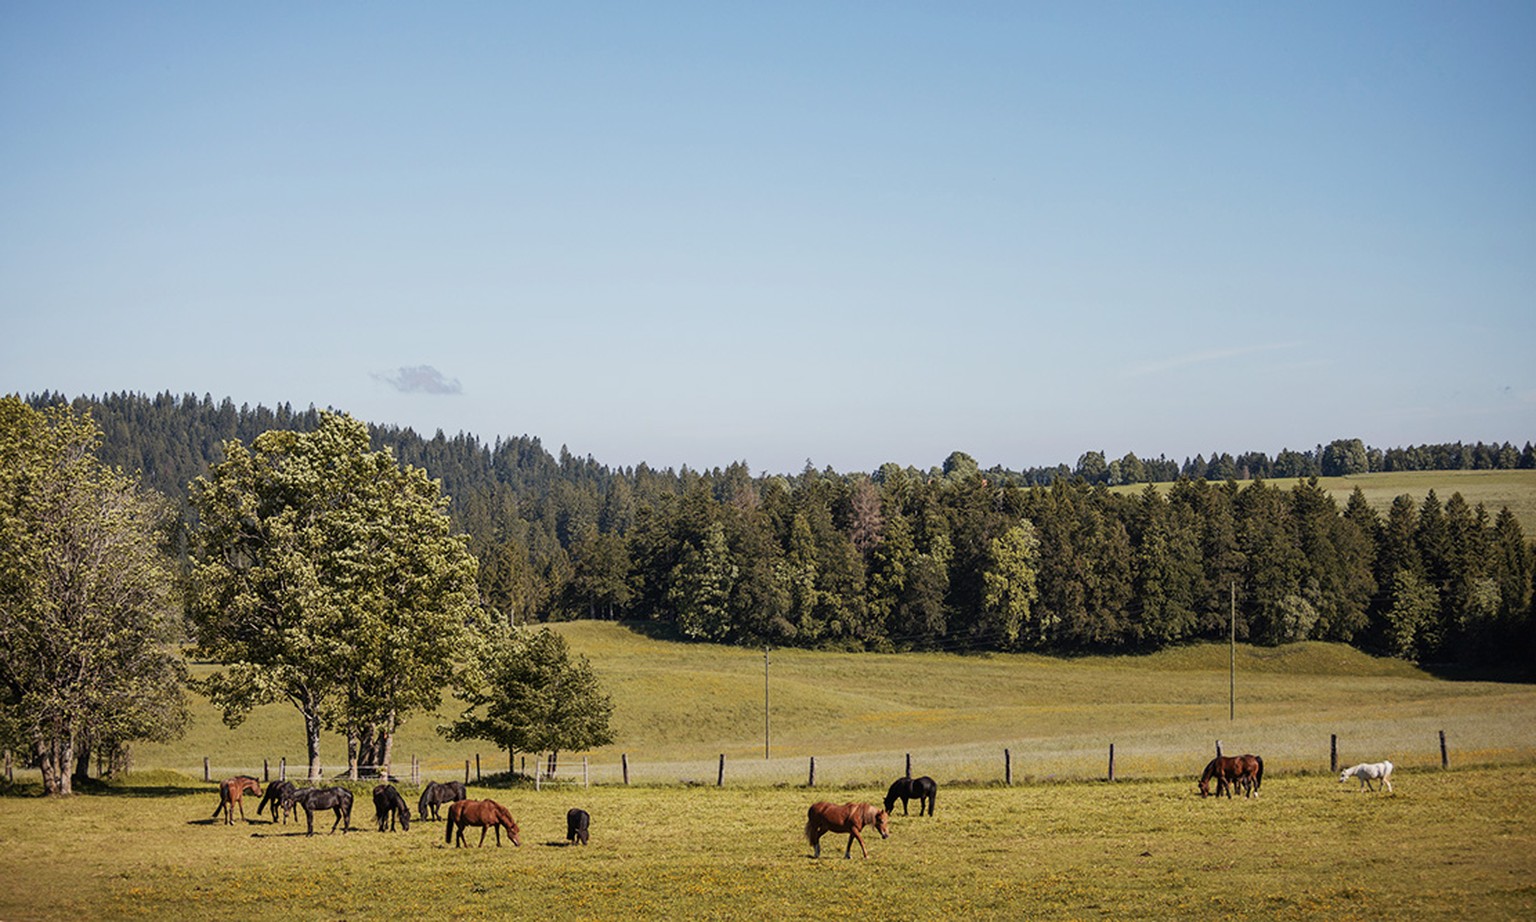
487 814
851 818
1231 771
231 790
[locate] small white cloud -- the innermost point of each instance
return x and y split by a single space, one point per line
421 379
1200 358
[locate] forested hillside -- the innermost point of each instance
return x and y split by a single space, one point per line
950 557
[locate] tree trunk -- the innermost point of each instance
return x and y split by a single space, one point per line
56 758
354 744
312 740
386 747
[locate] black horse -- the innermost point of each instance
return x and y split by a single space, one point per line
274 796
576 825
337 799
387 805
436 793
925 789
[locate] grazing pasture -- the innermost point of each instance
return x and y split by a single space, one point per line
1457 844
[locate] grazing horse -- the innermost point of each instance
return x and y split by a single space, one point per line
1368 772
823 817
925 789
387 805
487 814
1231 771
274 796
576 823
436 793
231 790
337 799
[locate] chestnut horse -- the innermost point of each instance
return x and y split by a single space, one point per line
824 817
231 790
1230 771
487 814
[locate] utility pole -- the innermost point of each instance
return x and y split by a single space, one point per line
1232 660
765 704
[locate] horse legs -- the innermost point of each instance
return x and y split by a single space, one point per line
816 842
1386 782
854 834
482 837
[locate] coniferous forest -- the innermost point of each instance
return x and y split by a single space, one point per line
949 558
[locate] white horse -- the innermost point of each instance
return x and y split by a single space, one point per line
1368 772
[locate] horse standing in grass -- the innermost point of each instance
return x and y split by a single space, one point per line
577 824
274 796
487 814
436 793
337 799
1230 772
231 792
1368 772
925 789
387 806
851 818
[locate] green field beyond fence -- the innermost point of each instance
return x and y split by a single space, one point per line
680 707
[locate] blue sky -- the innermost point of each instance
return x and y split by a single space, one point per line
848 233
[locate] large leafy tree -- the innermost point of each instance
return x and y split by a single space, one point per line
525 693
325 575
87 608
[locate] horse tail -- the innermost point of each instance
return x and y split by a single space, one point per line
810 825
1258 776
448 833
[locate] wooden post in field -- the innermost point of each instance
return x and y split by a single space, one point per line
8 776
415 770
624 761
282 769
720 778
1445 759
1218 749
266 774
466 771
205 768
477 769
1007 767
586 777
1333 752
1111 761
909 766
811 782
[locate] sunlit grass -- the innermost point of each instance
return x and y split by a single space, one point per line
1454 844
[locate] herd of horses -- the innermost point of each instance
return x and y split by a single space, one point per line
285 799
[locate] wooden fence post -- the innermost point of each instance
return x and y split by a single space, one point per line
1333 752
586 776
720 778
811 782
282 769
266 774
466 771
1445 759
1218 749
415 770
1007 767
1111 761
909 765
205 769
8 775
624 760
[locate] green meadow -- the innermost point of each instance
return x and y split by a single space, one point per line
1059 842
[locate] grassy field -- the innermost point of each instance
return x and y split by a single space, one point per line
678 707
1494 489
1457 844
1058 843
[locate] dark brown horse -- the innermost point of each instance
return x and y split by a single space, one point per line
231 790
436 793
925 789
851 818
487 814
388 806
1233 771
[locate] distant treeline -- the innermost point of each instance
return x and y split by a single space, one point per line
951 557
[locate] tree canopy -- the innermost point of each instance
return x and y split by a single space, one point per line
88 622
